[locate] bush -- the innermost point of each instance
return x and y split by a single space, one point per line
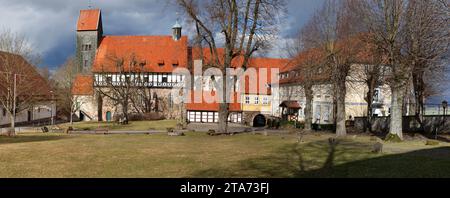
269 123
146 117
292 124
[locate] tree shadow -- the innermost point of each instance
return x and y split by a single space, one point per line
29 138
342 159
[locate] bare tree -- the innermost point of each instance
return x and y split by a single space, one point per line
334 29
21 86
385 22
426 46
64 81
244 26
308 64
128 89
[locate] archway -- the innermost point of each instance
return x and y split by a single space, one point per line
259 121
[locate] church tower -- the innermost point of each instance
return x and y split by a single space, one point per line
89 34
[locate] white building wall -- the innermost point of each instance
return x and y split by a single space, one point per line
37 112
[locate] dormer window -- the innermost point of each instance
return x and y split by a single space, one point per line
161 63
143 63
175 63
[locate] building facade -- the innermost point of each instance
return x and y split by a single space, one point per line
33 93
112 62
291 90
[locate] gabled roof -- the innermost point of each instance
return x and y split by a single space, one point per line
83 85
160 54
89 20
29 81
290 104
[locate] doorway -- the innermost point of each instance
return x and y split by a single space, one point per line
108 116
259 121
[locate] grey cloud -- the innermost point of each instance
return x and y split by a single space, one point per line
50 24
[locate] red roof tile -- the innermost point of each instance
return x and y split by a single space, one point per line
214 106
83 85
156 53
89 20
29 81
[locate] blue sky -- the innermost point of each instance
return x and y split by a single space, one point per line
50 24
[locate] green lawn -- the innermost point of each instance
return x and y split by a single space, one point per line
132 126
200 155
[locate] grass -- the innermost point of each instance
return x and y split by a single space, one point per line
200 155
132 126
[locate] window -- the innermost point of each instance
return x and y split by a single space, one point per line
145 79
256 100
247 99
4 112
86 47
86 63
108 79
265 100
164 78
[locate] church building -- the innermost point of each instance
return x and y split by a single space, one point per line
108 64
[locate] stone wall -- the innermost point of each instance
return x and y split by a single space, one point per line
431 124
86 38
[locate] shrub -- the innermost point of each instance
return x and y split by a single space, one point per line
269 123
146 116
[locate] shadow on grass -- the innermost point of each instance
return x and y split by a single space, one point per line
28 138
342 159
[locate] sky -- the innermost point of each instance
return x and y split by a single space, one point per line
50 25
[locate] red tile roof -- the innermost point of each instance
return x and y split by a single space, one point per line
89 20
29 81
214 106
159 54
83 85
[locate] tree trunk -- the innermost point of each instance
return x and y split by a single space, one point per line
308 107
223 118
369 96
125 111
396 112
12 130
340 117
71 117
100 108
418 85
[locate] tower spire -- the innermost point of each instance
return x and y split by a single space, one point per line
177 29
90 4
